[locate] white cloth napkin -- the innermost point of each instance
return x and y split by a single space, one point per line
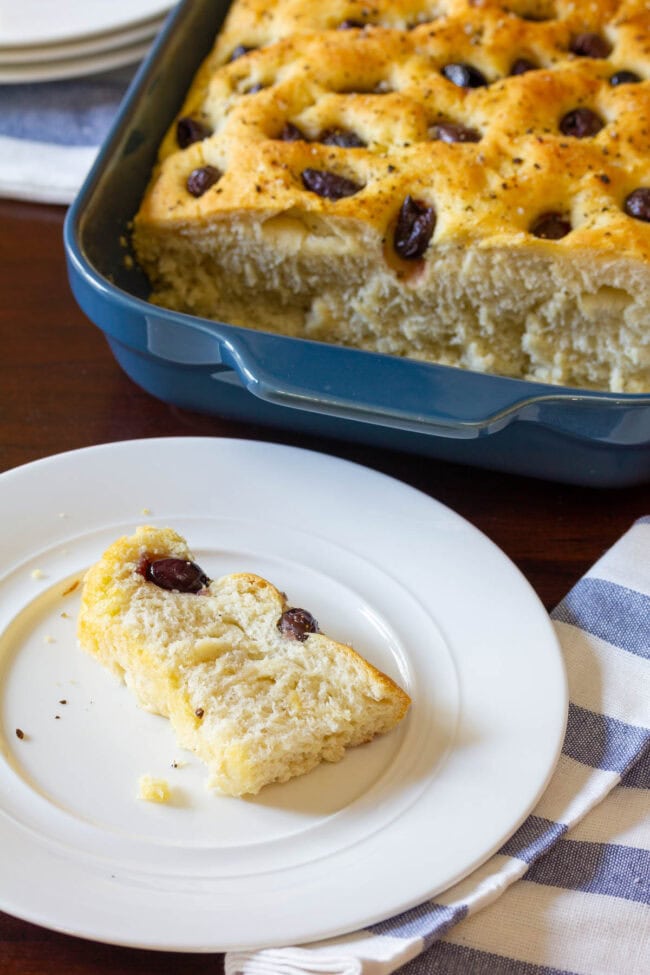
50 133
569 893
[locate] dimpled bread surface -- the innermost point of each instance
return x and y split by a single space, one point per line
256 705
525 165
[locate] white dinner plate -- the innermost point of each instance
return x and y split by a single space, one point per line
18 74
28 23
415 588
84 48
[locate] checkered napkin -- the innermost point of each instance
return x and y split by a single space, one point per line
569 893
50 133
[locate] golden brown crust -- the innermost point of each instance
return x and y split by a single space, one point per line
384 82
390 688
492 188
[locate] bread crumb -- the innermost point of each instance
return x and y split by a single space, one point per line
38 574
151 789
49 639
146 511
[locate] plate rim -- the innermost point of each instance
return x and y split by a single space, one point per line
102 25
76 67
83 48
238 444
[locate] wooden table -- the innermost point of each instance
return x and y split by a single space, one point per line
60 389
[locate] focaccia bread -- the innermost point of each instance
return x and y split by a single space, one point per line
250 684
460 181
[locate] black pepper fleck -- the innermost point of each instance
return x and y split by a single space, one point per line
199 712
20 733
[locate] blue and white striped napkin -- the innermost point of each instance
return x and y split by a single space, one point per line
569 893
50 133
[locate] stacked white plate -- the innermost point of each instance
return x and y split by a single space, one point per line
45 41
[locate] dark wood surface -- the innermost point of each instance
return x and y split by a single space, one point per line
60 389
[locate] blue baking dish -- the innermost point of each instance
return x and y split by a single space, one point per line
562 434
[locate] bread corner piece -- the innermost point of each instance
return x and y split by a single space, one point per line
256 702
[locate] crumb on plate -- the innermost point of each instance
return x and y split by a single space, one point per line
151 789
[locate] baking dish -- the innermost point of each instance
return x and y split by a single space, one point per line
557 433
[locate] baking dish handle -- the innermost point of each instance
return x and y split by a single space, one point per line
316 378
365 387
282 389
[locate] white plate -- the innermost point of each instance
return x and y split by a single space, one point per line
18 74
97 44
414 587
35 22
